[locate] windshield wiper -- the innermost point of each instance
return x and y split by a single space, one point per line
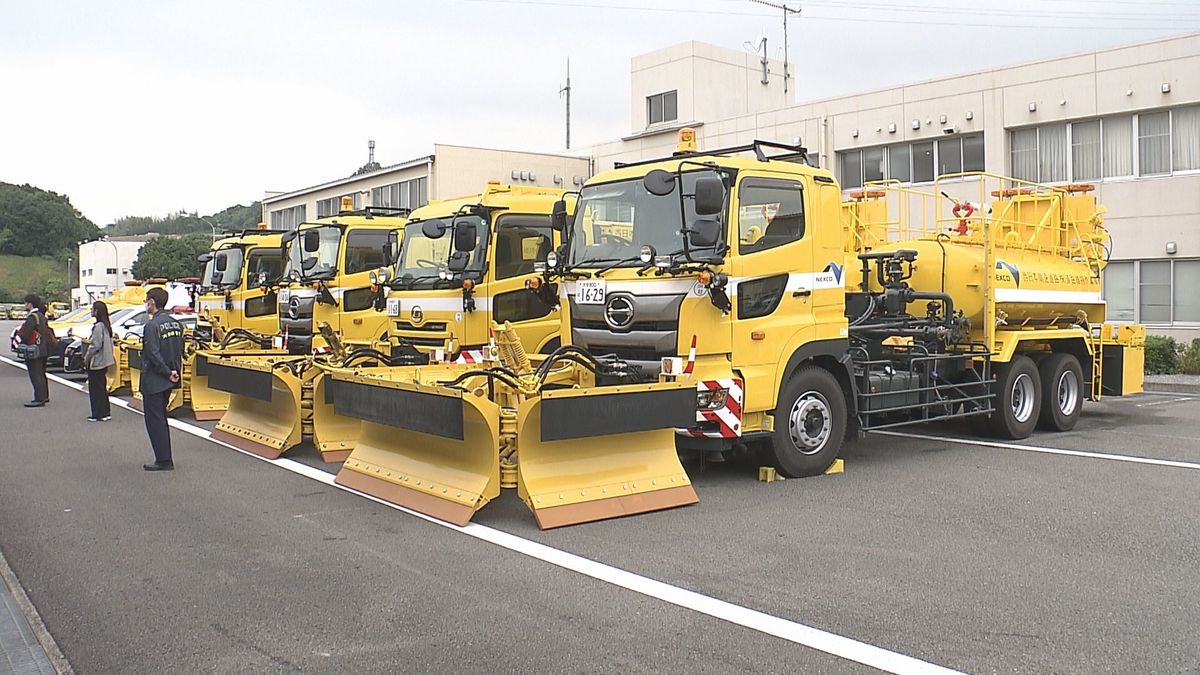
616 263
409 282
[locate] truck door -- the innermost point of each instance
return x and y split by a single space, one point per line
260 304
774 274
364 252
520 241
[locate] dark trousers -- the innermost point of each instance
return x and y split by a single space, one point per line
37 377
98 393
155 408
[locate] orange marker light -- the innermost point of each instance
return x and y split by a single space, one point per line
706 277
534 283
468 284
758 335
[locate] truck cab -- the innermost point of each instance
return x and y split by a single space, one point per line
327 275
237 285
464 263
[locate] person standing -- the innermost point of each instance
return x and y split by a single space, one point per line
98 359
36 336
162 359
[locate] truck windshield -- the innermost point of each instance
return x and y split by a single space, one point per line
232 274
313 254
615 220
426 261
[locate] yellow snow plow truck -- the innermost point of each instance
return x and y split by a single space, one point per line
800 321
463 263
326 301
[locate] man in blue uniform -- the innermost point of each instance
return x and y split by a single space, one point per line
162 357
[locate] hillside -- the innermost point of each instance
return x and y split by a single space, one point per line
37 222
42 275
231 219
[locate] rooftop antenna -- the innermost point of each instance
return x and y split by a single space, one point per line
370 151
786 11
567 90
761 49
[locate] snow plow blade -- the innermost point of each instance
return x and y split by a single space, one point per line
429 448
207 403
265 414
334 435
603 452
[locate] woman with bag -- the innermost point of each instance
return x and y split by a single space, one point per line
35 336
98 359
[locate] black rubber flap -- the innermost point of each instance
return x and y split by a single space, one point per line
584 416
252 383
418 411
135 359
201 367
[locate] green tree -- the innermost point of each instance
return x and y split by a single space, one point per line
54 289
36 222
171 257
232 219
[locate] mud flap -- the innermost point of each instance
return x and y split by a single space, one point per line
334 435
207 403
432 449
596 453
264 415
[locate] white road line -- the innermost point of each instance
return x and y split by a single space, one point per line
798 633
1048 451
1167 402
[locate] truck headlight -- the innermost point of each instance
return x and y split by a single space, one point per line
713 399
551 260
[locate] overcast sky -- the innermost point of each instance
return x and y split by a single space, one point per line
143 108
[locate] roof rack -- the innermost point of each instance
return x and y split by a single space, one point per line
794 153
370 211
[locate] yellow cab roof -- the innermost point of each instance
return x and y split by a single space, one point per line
515 198
690 162
358 219
253 239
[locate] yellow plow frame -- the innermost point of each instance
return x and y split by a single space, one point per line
266 414
443 439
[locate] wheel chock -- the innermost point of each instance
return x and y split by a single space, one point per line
838 466
768 474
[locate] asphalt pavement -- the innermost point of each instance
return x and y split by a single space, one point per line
973 557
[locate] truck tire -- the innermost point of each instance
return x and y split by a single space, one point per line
810 424
1062 392
1017 398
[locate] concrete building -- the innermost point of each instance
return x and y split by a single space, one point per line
1125 119
451 171
104 265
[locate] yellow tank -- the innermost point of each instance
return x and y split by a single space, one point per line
1029 287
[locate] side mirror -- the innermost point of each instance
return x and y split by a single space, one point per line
312 241
710 195
204 258
433 229
288 237
704 233
222 262
659 182
558 216
466 236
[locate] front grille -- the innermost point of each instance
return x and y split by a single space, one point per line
431 327
628 353
648 326
423 341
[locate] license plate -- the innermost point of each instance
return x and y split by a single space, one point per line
393 306
589 291
284 296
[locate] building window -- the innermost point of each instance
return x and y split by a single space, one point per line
1185 139
1085 150
1154 144
1117 138
1052 153
1154 291
662 108
333 205
110 270
409 194
1119 291
1024 149
911 162
288 219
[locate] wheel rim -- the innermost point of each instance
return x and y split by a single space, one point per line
1068 392
810 423
1022 397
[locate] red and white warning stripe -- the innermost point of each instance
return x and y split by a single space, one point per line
728 418
471 356
691 359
